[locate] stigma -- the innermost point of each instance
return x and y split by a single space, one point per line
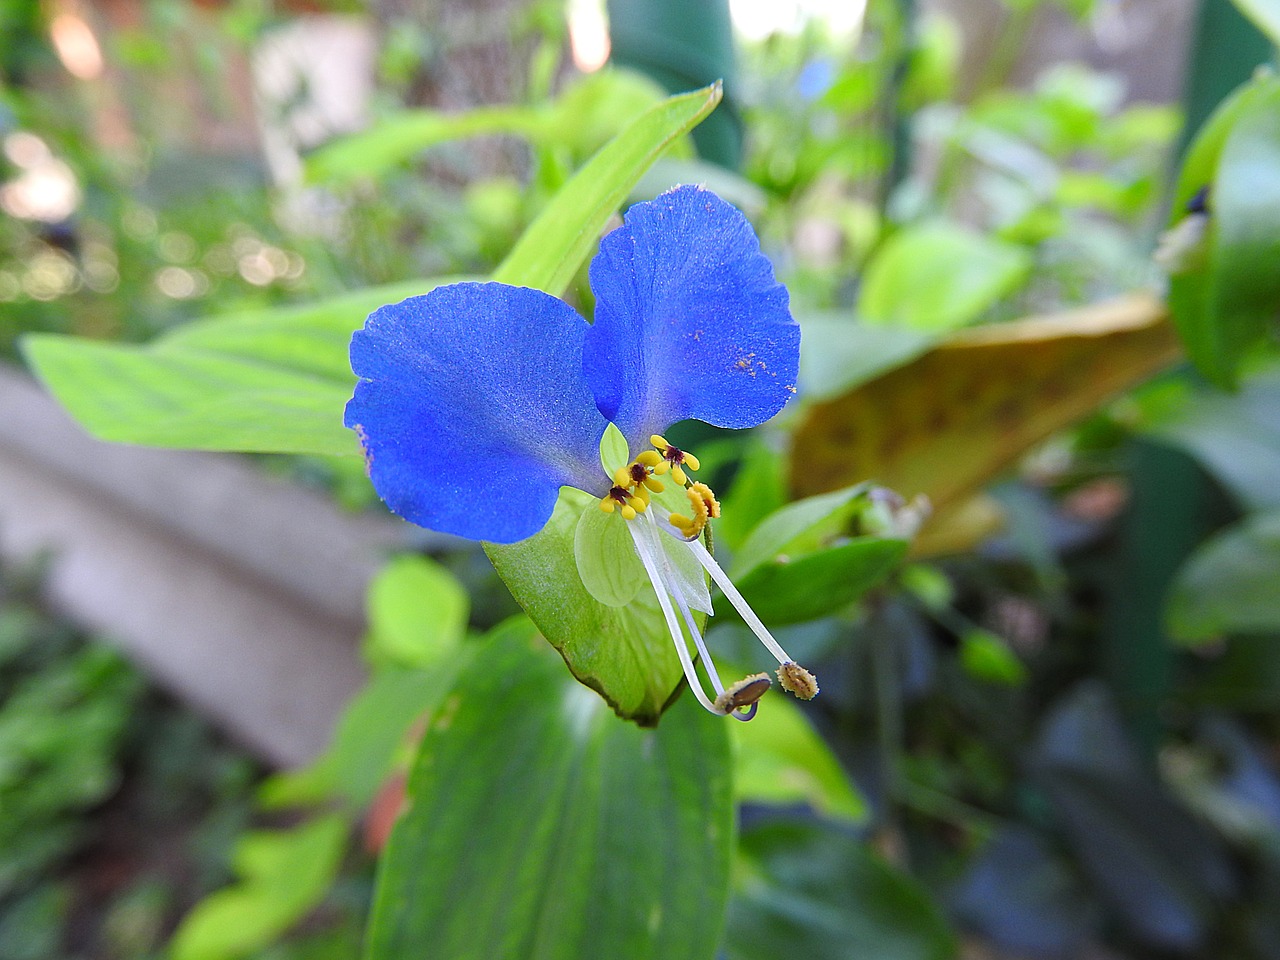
632 496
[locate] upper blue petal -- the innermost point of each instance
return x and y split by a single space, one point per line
690 322
472 409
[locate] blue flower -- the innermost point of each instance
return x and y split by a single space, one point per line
477 402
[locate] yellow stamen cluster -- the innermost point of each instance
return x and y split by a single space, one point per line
703 506
634 484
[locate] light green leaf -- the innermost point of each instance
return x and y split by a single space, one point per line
986 656
939 276
266 381
800 527
780 759
802 562
417 613
1228 586
284 874
559 241
1265 15
564 832
814 891
392 141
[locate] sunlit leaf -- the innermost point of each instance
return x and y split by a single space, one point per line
565 832
269 381
567 230
417 612
965 411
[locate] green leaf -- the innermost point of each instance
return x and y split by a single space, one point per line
1265 15
284 874
417 613
780 759
391 142
538 826
559 241
985 656
1229 584
789 590
812 891
1244 244
1224 308
265 381
802 562
939 276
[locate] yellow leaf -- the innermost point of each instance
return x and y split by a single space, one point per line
957 416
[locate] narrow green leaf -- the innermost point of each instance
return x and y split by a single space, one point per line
284 874
566 232
787 590
812 891
939 276
266 381
563 832
391 142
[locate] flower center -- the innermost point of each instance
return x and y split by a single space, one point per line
631 495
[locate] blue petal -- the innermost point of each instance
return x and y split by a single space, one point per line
472 409
690 322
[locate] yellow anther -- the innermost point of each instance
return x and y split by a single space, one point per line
622 477
628 512
636 504
661 468
691 461
642 493
606 505
659 442
703 500
650 459
657 486
678 475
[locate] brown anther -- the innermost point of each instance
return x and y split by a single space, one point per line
744 693
621 494
638 472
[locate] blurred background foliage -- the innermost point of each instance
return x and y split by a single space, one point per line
1047 730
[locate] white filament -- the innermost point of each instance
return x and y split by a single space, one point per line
646 550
